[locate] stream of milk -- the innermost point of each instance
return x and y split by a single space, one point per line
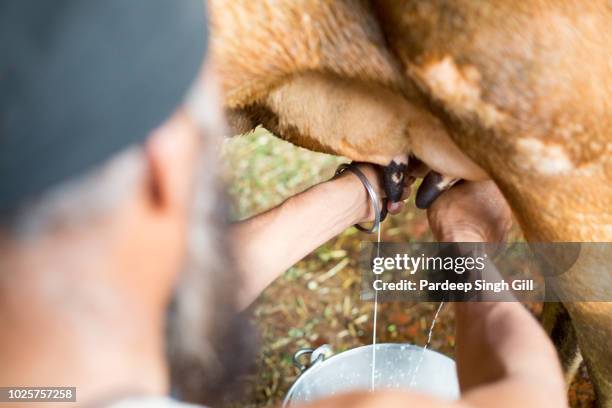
375 318
375 313
431 329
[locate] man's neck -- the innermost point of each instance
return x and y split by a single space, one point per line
64 325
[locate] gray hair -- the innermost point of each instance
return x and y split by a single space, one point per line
79 199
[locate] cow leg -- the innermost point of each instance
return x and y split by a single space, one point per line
557 323
592 321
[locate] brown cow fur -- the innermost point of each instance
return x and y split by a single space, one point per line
518 91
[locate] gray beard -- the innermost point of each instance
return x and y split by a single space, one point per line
210 345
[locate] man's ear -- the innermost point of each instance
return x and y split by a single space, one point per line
171 154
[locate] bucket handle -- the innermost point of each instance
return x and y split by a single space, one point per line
320 353
297 359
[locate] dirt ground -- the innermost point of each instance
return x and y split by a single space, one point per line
317 301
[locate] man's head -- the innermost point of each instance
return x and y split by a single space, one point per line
99 240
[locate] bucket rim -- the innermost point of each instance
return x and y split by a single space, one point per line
317 366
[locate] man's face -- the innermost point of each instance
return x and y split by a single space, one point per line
208 341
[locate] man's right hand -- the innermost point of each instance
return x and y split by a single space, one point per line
473 211
503 356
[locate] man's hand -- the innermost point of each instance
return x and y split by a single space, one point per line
269 243
473 211
374 176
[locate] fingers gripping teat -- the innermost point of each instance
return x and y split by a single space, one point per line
431 187
403 166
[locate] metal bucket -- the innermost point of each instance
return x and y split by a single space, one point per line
396 368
